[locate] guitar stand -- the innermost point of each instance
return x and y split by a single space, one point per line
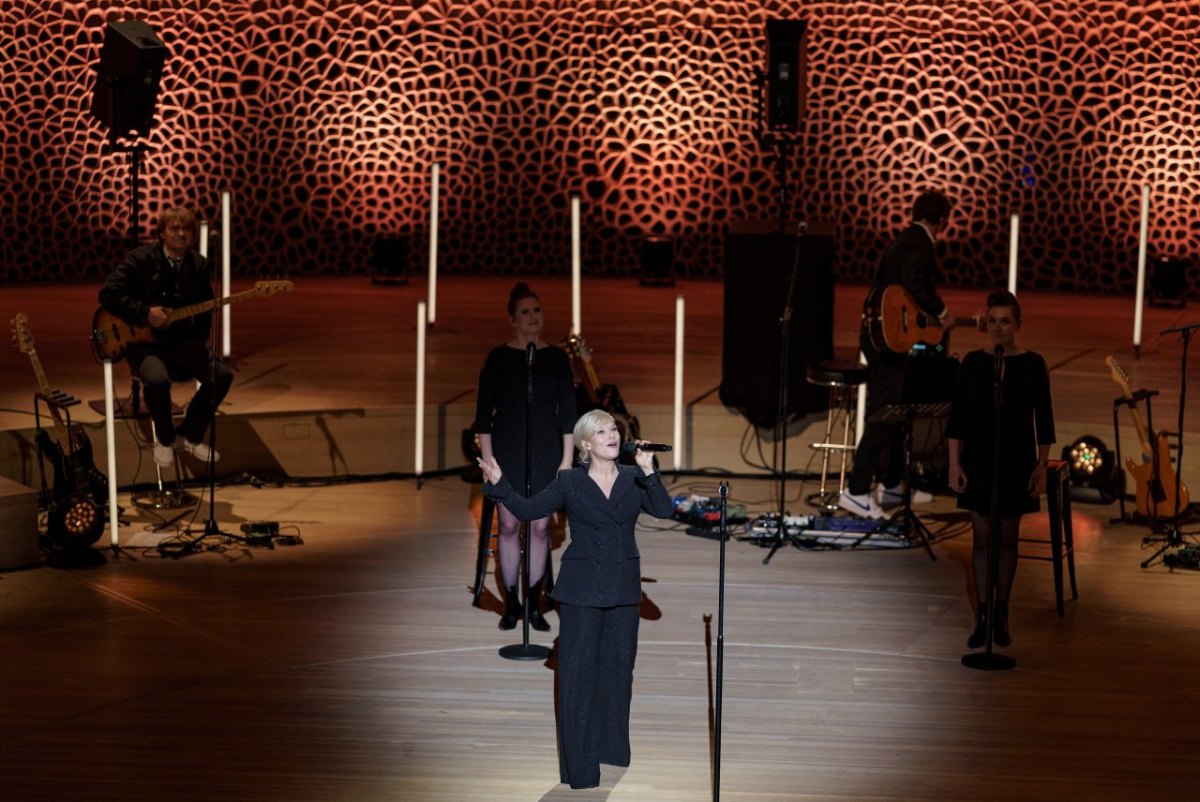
58 401
1131 402
1172 537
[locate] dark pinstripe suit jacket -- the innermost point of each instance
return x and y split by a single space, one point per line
601 567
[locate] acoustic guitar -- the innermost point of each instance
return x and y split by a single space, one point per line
112 337
895 323
76 516
1153 475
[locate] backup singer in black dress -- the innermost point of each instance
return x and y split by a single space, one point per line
599 589
500 424
1026 434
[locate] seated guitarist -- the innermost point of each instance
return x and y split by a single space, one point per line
910 261
149 282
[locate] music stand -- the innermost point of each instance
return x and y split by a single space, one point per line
904 415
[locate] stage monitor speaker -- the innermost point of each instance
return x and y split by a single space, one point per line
658 262
1169 282
787 67
389 260
127 78
758 268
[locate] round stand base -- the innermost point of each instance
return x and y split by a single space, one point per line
989 661
164 500
525 651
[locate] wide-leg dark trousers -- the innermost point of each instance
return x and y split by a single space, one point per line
596 650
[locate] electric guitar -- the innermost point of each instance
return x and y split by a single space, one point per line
112 337
76 516
597 395
895 323
1153 475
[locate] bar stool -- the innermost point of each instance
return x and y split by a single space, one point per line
1062 540
161 497
843 380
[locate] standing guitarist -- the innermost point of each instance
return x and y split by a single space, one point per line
909 261
149 282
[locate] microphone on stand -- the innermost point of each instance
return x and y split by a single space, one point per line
530 350
999 351
632 447
801 227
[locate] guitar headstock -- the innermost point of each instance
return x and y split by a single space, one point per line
22 336
1118 374
269 288
576 348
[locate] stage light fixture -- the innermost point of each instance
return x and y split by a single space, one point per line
1093 469
786 74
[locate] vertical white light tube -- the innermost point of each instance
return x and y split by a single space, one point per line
1013 229
203 244
110 436
434 201
1143 231
576 267
419 431
860 413
226 261
678 431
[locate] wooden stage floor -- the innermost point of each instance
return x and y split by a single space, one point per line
353 666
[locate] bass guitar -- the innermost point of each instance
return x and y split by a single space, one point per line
1153 475
75 518
895 323
591 394
112 337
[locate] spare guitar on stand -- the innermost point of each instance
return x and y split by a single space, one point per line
74 518
1154 477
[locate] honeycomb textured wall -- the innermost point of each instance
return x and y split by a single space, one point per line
324 120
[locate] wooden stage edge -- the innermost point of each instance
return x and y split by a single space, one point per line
350 665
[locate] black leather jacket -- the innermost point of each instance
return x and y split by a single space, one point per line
145 278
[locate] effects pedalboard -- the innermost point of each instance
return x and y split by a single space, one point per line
702 514
829 531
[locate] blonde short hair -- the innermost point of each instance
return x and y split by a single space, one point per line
586 428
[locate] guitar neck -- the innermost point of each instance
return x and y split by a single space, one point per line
184 312
60 426
1142 433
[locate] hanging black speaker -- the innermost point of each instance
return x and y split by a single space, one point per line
127 78
787 68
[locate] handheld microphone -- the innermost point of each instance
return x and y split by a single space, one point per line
632 447
530 350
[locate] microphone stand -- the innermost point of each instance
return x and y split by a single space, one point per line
781 414
720 647
988 660
526 650
211 527
1173 536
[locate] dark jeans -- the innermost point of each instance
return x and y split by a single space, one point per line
180 360
886 385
